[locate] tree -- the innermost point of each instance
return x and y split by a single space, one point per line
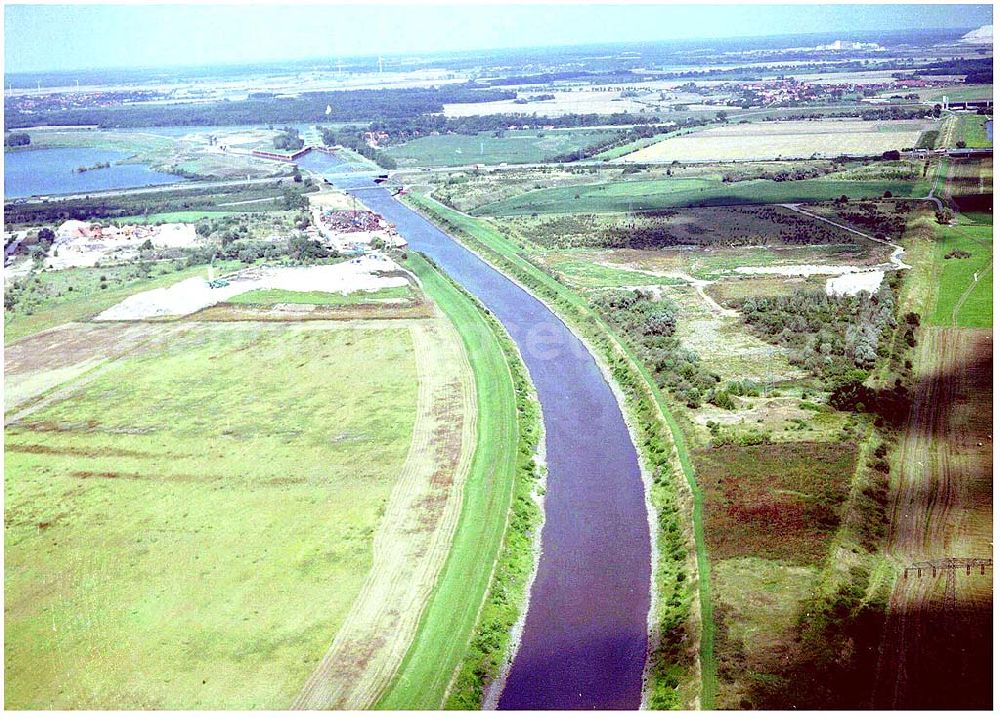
17 139
943 217
721 116
937 109
960 144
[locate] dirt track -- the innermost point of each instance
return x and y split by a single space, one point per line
414 537
933 655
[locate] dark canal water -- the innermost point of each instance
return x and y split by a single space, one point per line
584 641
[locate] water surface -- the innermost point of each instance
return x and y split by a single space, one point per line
51 171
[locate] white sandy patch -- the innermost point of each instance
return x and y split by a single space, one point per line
798 270
178 234
191 295
855 282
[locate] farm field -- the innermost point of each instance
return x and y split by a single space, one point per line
936 654
415 496
515 146
648 195
773 140
147 606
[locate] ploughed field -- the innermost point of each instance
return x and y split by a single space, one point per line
783 140
195 514
932 653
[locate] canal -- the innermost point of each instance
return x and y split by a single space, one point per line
584 640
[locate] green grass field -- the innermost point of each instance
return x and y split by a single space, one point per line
759 605
188 529
580 272
516 146
273 297
972 131
668 193
961 300
957 93
449 620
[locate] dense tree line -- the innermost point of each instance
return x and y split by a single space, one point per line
401 129
353 138
56 211
622 137
649 324
345 106
976 70
288 139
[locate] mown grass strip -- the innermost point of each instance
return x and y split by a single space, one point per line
459 628
649 409
272 297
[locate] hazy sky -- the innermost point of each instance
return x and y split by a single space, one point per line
67 37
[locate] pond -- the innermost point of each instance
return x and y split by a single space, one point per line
53 172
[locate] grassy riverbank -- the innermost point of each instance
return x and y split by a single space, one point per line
499 516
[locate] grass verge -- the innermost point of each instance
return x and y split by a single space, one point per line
273 297
499 516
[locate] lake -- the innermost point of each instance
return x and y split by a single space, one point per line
52 172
